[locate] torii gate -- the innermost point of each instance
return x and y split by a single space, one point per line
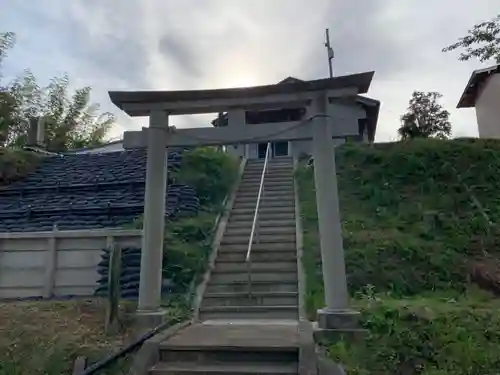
314 95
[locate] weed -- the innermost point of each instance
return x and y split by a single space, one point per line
419 228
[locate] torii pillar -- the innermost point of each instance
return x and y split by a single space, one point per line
314 95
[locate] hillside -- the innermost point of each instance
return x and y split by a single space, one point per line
420 232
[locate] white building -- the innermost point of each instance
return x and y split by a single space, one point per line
108 147
483 93
361 113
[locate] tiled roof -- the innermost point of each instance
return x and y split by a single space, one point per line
87 191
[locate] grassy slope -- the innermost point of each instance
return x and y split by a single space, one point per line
419 227
45 337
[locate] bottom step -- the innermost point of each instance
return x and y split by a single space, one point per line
229 355
249 312
172 368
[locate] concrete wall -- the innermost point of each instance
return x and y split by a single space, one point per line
488 108
59 263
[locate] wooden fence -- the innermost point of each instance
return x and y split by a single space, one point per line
56 263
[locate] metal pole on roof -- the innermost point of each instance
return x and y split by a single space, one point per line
330 52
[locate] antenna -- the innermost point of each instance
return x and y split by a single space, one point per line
330 52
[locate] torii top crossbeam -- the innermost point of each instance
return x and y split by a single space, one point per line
141 103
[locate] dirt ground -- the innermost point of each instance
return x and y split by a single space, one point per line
43 337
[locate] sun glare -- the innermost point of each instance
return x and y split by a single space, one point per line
242 81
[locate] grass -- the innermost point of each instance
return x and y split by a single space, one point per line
420 231
45 337
424 335
15 164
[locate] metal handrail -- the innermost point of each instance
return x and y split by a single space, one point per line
248 258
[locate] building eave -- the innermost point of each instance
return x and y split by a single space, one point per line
473 87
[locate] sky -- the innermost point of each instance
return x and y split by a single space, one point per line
202 44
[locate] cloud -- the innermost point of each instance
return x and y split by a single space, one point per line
190 44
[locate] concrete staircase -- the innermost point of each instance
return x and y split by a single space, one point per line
274 293
235 349
238 332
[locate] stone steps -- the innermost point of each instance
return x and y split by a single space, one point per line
266 195
264 203
206 356
254 265
262 230
257 256
285 190
243 214
274 275
263 211
249 312
234 349
257 286
252 299
217 347
273 173
238 222
286 182
265 214
263 238
250 368
260 247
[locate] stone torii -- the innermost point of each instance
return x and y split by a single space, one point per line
313 95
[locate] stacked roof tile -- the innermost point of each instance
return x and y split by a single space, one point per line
87 191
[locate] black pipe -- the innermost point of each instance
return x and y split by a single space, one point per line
93 369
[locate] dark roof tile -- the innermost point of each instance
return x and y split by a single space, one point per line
86 191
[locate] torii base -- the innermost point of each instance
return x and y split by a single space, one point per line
338 325
147 320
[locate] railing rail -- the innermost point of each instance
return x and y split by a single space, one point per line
255 224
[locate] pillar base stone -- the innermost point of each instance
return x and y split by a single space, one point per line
337 325
338 319
146 320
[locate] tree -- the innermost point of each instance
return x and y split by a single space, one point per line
481 42
7 103
7 41
70 121
425 117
